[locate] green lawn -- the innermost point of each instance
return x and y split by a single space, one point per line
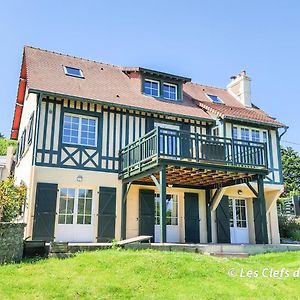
148 274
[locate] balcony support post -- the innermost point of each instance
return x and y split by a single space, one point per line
208 215
163 198
125 190
262 207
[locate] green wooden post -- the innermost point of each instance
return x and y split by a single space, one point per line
208 215
163 195
262 207
125 189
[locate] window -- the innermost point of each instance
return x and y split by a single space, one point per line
265 137
214 98
245 134
30 130
151 87
215 131
255 136
170 91
66 206
75 72
75 206
84 210
79 130
235 133
171 209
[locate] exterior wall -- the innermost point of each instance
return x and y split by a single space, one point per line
66 178
132 219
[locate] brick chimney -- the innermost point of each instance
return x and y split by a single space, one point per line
240 88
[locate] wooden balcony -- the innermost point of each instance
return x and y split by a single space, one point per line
192 159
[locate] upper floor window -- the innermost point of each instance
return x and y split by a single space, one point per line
79 130
151 87
170 91
214 98
245 134
75 72
255 136
235 133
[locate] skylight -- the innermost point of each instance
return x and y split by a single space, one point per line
75 72
214 98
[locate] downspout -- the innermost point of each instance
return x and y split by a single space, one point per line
32 177
279 152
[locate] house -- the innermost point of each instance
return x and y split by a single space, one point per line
7 163
111 152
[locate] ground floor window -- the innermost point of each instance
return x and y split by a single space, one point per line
171 209
75 206
237 209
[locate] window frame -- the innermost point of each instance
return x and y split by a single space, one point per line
172 85
80 129
220 100
73 75
152 81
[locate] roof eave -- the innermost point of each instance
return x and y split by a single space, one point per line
251 121
97 101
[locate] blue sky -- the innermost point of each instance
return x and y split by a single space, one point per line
206 40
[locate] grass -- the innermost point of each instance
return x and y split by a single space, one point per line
148 274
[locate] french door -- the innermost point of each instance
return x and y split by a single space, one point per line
239 233
171 216
75 216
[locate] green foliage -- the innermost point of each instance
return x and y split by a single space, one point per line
289 227
148 274
4 143
12 198
291 171
1 135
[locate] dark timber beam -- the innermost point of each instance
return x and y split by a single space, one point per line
125 190
208 215
262 206
252 189
163 198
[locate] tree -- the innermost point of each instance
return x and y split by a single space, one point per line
1 136
291 171
4 143
12 197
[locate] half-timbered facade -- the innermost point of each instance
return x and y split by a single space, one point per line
110 152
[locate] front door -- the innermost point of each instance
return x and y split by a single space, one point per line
75 219
172 218
239 233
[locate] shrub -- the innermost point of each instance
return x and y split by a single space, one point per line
289 227
12 197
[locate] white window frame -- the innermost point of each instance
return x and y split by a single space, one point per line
175 195
75 206
235 220
73 75
176 91
79 129
151 80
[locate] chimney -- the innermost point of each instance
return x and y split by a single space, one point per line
240 88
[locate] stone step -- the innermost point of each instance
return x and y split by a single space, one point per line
61 255
230 254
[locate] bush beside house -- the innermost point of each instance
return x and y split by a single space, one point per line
12 198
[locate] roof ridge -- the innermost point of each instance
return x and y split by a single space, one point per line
72 56
207 85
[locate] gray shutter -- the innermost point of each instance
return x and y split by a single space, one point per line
191 211
106 214
223 221
146 212
258 221
45 210
149 124
185 140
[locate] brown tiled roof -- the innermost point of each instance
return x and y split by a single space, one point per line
231 108
102 82
112 85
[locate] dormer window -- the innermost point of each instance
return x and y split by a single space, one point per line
151 87
170 91
214 98
75 72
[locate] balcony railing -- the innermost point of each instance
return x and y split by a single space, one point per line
173 145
